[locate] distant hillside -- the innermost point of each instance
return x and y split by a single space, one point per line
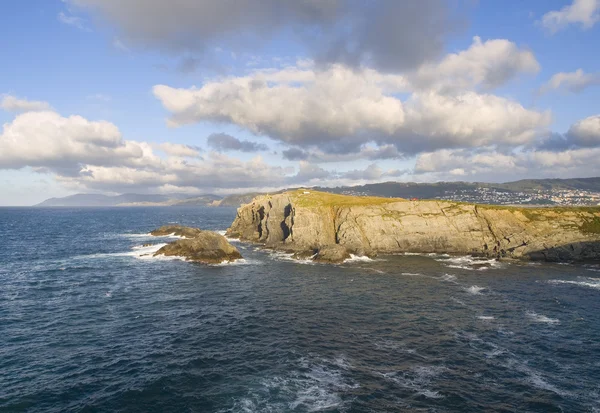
578 191
97 200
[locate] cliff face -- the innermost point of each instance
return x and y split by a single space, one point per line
307 220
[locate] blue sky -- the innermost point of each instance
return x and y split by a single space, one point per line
329 93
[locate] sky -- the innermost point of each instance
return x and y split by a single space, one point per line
233 96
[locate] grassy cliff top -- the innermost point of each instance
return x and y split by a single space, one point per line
309 198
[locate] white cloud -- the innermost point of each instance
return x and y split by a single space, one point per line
74 21
586 132
11 103
339 103
576 156
179 150
574 82
489 64
119 45
490 165
339 109
48 140
583 12
471 120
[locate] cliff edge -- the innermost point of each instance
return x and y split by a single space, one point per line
305 221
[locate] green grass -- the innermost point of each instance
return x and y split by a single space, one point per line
325 199
591 226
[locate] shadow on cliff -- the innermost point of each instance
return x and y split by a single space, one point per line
575 251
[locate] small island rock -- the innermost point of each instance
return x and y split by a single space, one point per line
206 247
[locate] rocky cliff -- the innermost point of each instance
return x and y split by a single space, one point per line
305 220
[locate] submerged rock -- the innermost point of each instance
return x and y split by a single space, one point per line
332 254
199 246
177 230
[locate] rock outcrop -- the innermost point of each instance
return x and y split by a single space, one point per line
332 254
177 230
199 246
307 221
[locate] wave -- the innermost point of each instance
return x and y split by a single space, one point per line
539 318
486 317
448 277
475 289
313 386
583 282
358 258
150 236
470 263
242 261
418 379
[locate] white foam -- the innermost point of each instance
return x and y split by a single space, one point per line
227 238
242 261
413 274
474 289
448 277
358 258
539 318
584 282
486 317
314 387
418 379
149 235
470 263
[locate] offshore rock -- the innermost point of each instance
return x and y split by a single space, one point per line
177 230
332 254
305 220
206 247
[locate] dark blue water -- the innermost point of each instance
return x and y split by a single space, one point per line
89 323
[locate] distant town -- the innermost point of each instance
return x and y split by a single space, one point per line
556 192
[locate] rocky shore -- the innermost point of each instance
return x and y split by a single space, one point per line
329 227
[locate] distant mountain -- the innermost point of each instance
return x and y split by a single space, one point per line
577 191
97 200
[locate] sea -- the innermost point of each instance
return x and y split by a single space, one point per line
91 321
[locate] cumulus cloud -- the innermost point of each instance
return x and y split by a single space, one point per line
48 140
87 155
586 132
11 103
339 109
573 154
223 142
180 150
471 120
386 34
586 13
336 106
497 166
489 64
574 82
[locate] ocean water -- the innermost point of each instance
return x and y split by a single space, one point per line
89 322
